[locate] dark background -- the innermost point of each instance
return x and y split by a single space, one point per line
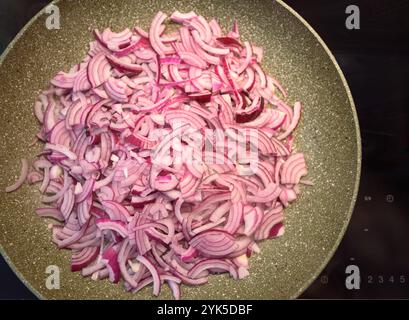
375 62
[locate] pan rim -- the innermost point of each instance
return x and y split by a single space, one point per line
358 144
358 163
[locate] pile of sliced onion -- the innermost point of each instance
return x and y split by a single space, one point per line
126 205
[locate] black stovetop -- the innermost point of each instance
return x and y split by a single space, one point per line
375 61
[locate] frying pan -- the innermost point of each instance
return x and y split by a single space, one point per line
294 53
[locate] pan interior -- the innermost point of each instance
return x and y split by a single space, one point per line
328 135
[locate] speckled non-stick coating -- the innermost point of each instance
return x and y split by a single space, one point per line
294 54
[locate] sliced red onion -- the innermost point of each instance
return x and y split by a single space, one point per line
235 218
115 210
22 177
215 28
175 288
204 28
117 62
166 183
64 80
49 120
62 150
293 169
229 41
154 35
71 236
252 221
142 42
270 193
271 225
248 59
214 244
154 272
53 213
81 81
208 48
86 191
82 258
193 59
110 259
294 121
213 264
132 166
202 97
179 17
98 70
250 113
114 225
117 90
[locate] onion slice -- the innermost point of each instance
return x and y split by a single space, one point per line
22 177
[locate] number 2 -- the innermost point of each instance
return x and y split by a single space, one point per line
204 310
